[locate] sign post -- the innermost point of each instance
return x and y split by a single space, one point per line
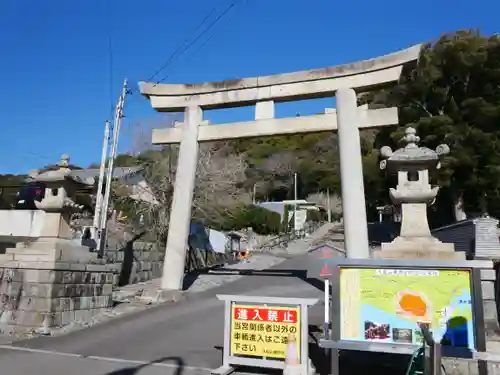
256 331
381 305
322 255
432 352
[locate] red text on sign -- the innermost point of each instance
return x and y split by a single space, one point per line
265 315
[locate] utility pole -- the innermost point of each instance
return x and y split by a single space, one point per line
98 203
294 201
328 205
254 193
111 161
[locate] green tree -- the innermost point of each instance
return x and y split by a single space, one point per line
9 186
453 96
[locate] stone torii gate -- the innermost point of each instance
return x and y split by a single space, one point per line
342 81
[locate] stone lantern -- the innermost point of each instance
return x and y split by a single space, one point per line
51 280
413 193
58 205
59 200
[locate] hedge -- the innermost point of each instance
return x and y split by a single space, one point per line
313 215
261 220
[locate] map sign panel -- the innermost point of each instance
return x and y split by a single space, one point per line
388 305
262 331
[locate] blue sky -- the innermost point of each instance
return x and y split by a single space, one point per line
55 70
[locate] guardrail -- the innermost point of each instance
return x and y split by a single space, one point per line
197 259
282 240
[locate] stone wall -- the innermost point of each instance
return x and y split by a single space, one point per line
143 261
490 308
35 296
488 280
137 262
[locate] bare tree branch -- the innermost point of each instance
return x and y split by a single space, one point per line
277 170
218 187
139 133
219 183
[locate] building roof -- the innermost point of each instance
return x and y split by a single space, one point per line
118 172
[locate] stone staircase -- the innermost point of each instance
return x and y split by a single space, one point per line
46 251
323 234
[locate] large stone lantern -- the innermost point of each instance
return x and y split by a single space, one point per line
59 200
413 193
50 280
59 205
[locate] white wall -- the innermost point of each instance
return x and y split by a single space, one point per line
20 225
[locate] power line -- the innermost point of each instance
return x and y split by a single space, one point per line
178 49
194 53
38 155
200 47
209 27
20 145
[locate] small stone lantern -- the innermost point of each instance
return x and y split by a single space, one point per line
413 193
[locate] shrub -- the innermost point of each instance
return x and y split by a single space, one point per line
261 220
313 215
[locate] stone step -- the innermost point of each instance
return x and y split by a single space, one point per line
28 251
6 257
34 257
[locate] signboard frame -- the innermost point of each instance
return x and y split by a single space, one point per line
229 361
335 265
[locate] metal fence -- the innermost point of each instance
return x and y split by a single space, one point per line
197 259
429 360
283 240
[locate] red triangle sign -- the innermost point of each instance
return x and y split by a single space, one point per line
324 270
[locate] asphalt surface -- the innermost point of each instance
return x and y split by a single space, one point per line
179 338
183 338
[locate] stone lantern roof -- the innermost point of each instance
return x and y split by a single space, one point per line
412 157
61 187
63 174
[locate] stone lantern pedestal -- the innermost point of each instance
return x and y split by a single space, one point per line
52 281
414 193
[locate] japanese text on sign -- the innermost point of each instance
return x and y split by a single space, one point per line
262 331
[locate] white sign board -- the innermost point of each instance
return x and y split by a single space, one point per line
300 219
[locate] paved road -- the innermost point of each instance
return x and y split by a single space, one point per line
182 338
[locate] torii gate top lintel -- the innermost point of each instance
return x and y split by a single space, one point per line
361 75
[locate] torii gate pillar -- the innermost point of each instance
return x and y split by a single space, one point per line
180 213
351 172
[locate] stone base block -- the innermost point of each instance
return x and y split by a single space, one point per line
418 248
45 250
52 294
405 254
